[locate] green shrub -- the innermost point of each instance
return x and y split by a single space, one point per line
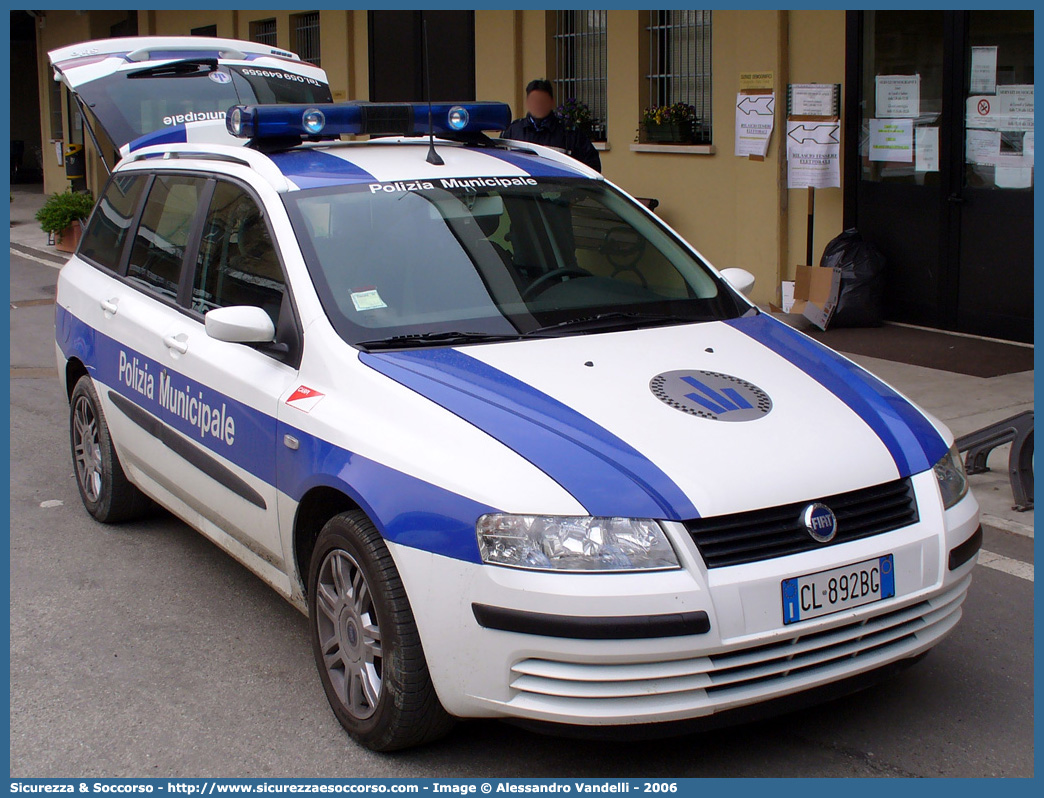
61 210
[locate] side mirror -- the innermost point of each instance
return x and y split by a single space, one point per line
740 279
240 324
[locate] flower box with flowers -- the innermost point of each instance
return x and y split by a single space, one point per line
671 124
576 115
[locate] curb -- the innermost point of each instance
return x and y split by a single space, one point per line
38 253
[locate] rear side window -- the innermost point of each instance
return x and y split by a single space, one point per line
111 222
237 262
163 234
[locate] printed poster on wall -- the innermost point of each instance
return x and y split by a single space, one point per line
813 154
755 116
814 99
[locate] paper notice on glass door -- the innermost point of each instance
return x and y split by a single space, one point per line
898 96
891 140
926 149
983 146
1013 177
1027 148
1016 107
983 70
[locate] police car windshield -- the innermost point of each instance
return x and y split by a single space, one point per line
496 257
131 104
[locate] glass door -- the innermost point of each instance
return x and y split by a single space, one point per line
901 191
944 152
995 282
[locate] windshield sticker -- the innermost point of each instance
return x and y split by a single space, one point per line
220 77
193 116
276 73
367 299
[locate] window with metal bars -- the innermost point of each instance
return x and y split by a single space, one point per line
580 64
54 95
263 31
306 36
680 63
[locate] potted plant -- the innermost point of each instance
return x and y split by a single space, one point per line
576 115
62 216
671 124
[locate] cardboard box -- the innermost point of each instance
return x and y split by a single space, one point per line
815 293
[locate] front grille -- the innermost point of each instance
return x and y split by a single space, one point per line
741 674
778 531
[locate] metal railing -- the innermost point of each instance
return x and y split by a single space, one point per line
1018 431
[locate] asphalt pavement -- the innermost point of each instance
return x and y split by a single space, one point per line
144 650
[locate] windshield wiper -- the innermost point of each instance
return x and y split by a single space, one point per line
182 68
434 339
598 321
608 319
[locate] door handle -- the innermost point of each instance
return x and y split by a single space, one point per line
955 198
110 306
176 343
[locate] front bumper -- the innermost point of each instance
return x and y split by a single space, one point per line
741 655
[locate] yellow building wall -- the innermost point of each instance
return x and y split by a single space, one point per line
57 30
498 56
817 55
181 22
728 207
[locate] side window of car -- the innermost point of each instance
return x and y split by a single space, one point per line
163 233
237 262
111 222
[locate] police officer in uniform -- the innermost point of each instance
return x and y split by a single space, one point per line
540 125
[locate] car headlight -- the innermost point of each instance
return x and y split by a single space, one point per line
953 482
574 543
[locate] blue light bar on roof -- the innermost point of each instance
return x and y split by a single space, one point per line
329 120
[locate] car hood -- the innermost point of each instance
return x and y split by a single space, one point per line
684 421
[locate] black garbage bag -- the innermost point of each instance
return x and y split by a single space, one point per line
860 302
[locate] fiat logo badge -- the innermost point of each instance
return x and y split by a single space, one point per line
820 522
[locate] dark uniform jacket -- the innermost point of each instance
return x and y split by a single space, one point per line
551 132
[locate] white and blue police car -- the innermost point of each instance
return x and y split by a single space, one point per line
514 446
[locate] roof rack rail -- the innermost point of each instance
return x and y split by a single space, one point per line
244 156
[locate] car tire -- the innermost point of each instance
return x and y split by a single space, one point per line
106 492
365 640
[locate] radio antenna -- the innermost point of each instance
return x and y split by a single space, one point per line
433 157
